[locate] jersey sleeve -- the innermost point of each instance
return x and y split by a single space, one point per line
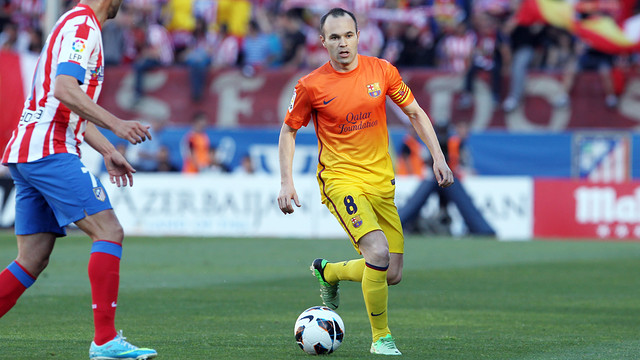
299 112
79 39
398 91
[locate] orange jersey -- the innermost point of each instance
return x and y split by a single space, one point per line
349 114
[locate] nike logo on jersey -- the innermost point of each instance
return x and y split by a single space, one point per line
326 102
113 304
372 314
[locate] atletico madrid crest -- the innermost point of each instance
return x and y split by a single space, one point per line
374 90
99 193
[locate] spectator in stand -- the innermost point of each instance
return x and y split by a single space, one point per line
459 156
227 49
156 52
246 166
181 23
417 47
523 40
113 40
197 57
393 44
315 54
268 23
35 40
206 10
27 13
294 40
456 48
256 53
235 14
411 158
164 161
196 146
5 15
371 37
216 165
487 56
9 37
590 59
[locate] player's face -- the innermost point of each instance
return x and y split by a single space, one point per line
340 38
113 8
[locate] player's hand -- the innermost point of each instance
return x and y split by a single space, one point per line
119 169
287 193
443 174
132 131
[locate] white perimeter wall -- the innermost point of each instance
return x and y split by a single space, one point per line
241 205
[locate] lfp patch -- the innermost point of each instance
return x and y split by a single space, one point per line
356 221
78 46
374 90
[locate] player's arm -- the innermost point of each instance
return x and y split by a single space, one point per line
71 95
421 122
120 171
286 149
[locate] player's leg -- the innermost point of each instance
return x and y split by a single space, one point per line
349 270
388 246
33 257
77 196
36 229
352 270
375 249
104 275
104 270
354 213
391 225
394 274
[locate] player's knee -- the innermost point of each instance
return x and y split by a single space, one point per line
35 264
116 233
111 231
394 279
379 256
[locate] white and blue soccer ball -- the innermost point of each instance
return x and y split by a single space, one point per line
319 330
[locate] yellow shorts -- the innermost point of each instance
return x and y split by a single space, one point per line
359 214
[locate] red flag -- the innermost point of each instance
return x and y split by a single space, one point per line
11 95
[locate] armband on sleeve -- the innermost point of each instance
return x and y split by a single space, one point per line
402 96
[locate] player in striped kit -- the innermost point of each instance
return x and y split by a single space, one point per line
53 188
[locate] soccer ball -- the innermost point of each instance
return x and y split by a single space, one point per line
319 330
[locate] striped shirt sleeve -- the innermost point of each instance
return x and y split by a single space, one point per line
79 38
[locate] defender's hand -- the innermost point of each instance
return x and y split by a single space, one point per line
119 169
132 131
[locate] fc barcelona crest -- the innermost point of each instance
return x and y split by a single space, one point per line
374 90
99 193
356 221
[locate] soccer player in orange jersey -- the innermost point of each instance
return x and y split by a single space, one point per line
346 99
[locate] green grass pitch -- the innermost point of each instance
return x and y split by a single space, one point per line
197 298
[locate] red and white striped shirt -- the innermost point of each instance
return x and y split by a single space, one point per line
74 48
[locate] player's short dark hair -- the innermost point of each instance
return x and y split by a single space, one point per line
337 12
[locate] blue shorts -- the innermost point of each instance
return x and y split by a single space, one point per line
53 192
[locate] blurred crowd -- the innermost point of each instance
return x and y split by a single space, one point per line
463 37
458 36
